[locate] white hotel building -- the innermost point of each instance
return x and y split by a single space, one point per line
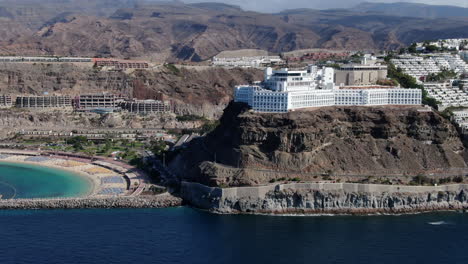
287 90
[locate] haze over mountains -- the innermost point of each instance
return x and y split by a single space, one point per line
178 31
412 10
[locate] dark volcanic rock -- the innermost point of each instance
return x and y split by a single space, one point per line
251 148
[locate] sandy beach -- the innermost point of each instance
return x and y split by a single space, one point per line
105 182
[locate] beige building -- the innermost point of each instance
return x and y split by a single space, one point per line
5 101
360 74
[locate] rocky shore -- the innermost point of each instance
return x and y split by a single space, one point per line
158 201
327 198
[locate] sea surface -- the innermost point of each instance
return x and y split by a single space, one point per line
18 180
185 235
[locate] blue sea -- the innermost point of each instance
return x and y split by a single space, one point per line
185 235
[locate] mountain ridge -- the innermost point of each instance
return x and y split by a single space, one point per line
196 32
407 9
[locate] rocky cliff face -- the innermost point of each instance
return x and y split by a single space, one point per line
327 198
252 148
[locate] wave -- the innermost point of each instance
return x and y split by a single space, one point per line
439 223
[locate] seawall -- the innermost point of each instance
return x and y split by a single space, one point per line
327 198
157 201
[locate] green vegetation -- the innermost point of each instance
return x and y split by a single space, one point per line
407 81
441 76
77 142
333 65
412 48
209 126
283 179
172 68
158 147
186 118
422 180
458 179
432 48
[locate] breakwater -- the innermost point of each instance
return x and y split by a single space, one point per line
156 201
327 198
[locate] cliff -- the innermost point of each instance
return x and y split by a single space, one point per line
328 198
348 143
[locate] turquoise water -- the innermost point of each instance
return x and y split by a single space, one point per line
184 235
30 181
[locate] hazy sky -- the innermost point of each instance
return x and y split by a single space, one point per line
278 5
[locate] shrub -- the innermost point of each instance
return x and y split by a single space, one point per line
422 180
172 68
458 179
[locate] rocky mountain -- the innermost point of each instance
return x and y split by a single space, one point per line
251 148
177 31
412 10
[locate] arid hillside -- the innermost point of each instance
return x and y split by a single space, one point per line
204 92
253 148
196 32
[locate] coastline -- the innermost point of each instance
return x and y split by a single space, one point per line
94 183
327 198
306 199
95 173
104 179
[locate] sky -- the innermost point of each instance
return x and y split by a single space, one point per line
278 5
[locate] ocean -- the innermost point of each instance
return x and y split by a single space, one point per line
186 235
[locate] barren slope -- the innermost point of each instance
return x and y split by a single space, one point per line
252 148
199 31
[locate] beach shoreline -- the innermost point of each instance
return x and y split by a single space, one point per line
105 179
94 183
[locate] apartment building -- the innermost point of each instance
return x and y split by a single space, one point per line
43 59
43 101
447 95
93 101
146 106
247 62
120 64
420 67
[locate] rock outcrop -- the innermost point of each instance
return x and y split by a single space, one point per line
251 148
329 198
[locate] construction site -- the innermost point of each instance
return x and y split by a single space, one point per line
146 106
87 103
43 101
5 101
